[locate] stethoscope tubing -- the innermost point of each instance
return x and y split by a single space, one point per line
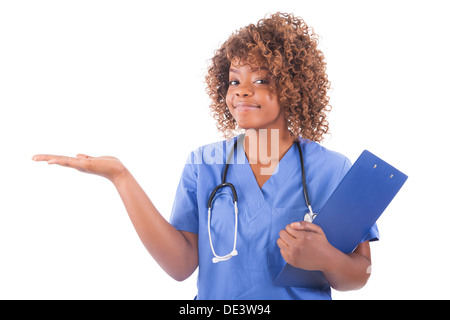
308 216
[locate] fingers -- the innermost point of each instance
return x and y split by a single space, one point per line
76 163
50 158
47 157
42 157
63 161
295 231
286 242
282 244
286 239
285 254
288 235
304 226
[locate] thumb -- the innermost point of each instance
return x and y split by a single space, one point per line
305 226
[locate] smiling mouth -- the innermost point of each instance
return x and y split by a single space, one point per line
241 107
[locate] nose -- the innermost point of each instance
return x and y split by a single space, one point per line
244 91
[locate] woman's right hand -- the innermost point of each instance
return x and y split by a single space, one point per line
156 233
106 166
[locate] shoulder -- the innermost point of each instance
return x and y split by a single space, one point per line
212 153
324 158
207 160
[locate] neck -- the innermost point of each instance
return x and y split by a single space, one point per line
264 146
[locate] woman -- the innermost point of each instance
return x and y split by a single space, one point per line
269 81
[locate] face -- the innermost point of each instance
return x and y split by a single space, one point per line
252 99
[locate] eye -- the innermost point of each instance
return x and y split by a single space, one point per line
233 83
262 81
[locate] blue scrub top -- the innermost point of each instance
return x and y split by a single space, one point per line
263 212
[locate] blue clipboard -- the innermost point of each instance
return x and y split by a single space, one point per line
352 209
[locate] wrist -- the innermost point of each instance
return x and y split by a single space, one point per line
121 176
332 259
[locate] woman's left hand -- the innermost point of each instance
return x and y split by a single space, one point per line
304 245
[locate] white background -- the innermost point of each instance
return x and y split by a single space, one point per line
126 78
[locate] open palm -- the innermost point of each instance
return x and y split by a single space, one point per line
105 166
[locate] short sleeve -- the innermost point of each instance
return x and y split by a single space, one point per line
373 234
345 168
184 216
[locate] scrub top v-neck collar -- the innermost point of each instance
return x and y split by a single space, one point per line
253 195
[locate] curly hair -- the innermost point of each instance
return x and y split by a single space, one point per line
288 48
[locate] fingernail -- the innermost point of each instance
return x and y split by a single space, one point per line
296 224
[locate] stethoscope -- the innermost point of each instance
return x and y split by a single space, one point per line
309 216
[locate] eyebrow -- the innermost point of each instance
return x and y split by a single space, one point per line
251 70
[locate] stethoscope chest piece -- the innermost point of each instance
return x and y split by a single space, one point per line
309 217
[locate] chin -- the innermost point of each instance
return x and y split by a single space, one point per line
249 125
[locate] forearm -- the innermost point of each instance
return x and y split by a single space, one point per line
347 271
168 246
